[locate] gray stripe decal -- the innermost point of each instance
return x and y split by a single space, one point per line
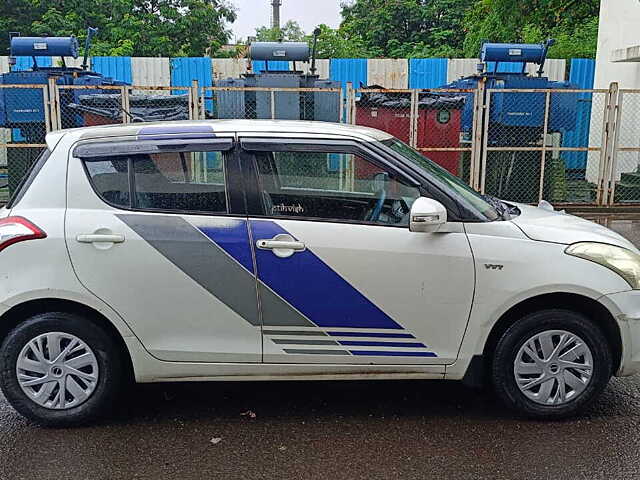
293 332
303 342
199 258
317 352
276 312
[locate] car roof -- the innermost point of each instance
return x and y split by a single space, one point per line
220 126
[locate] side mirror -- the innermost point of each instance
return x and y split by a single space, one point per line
427 215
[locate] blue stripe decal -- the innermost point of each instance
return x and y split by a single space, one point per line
169 132
358 343
377 353
233 237
371 335
328 300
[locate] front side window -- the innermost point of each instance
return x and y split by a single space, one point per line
471 199
173 181
333 186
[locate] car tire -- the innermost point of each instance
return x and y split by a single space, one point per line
89 369
561 390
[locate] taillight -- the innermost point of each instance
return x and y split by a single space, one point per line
18 229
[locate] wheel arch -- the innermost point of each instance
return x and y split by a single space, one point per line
27 309
477 372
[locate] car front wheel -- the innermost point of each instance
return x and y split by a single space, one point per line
60 369
551 364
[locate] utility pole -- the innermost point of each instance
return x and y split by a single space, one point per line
275 14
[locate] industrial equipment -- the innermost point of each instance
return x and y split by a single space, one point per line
274 104
517 119
23 109
438 124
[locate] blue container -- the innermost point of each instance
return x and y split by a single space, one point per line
22 105
513 52
44 47
281 51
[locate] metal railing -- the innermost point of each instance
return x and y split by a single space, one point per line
571 147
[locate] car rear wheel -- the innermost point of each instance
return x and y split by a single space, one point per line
551 364
59 369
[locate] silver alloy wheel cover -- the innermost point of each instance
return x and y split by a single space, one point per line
553 367
57 370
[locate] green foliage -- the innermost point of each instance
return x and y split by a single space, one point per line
573 23
370 28
127 27
289 32
333 43
406 28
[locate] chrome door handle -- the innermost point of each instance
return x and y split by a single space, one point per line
100 238
281 245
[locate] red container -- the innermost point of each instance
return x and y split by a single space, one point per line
92 120
440 128
437 128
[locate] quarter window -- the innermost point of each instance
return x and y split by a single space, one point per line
174 181
333 186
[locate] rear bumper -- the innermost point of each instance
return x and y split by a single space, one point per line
625 307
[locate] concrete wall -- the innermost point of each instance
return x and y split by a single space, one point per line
619 23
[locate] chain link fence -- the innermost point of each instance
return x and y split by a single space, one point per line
25 120
543 144
625 177
565 146
320 104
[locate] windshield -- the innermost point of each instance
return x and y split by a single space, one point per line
472 200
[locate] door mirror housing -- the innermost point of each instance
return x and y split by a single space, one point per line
427 215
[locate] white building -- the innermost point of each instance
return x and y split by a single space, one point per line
618 60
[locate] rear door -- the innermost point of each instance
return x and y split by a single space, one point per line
156 228
329 225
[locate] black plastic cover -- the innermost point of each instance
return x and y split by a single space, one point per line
429 100
142 108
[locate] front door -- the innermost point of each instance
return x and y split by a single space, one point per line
155 229
331 240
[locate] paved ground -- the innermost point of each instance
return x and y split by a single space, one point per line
352 430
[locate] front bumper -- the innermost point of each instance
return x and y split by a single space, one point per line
625 307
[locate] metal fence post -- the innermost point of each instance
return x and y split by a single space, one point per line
604 168
485 141
273 104
126 110
614 148
350 107
413 128
46 98
476 134
53 119
545 130
194 103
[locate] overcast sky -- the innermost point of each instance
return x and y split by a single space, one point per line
308 13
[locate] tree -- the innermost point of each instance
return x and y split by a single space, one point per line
573 23
406 28
127 27
332 43
289 32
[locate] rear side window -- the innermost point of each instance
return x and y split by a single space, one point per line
110 178
168 181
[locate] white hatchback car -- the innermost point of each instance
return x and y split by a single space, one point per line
262 250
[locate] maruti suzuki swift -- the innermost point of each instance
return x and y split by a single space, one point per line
277 250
